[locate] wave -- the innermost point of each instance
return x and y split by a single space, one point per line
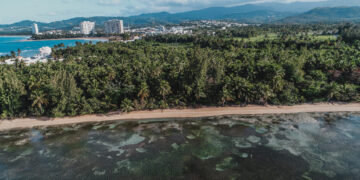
24 53
30 50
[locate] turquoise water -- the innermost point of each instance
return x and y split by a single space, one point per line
31 48
294 146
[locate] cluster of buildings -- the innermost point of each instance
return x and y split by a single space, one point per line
223 24
163 30
111 27
187 28
116 26
87 27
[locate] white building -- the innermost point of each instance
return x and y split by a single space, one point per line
87 27
114 26
35 29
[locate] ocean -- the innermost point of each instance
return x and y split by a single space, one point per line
283 146
31 48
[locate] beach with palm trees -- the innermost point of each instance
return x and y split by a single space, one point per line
24 123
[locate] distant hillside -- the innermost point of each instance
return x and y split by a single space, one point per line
261 16
245 13
337 14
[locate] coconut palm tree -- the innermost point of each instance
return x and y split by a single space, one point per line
164 89
38 101
144 93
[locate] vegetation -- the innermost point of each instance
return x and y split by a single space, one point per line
350 32
124 36
55 36
176 71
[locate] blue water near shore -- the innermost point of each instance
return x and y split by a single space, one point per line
318 146
31 48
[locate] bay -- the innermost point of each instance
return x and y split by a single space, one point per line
31 48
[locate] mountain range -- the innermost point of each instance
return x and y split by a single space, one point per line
263 13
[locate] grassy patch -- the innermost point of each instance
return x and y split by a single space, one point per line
324 37
270 36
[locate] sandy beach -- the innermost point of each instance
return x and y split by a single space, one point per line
23 123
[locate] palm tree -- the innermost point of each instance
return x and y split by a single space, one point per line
127 105
144 93
13 55
18 52
332 91
226 95
164 89
39 101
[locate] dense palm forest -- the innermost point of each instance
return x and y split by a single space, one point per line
179 71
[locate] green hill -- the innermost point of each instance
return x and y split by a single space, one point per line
336 14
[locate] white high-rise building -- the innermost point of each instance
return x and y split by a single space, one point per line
87 27
35 29
114 26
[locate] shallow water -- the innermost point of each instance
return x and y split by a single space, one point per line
31 48
294 146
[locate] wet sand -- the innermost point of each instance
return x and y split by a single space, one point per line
23 123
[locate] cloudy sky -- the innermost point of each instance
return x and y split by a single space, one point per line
50 10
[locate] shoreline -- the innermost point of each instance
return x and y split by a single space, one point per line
60 39
31 122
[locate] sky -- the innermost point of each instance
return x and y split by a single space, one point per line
52 10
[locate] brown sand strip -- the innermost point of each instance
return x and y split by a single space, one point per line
178 113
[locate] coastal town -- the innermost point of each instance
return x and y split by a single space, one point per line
113 30
116 27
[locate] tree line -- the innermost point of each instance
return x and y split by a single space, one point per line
169 71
